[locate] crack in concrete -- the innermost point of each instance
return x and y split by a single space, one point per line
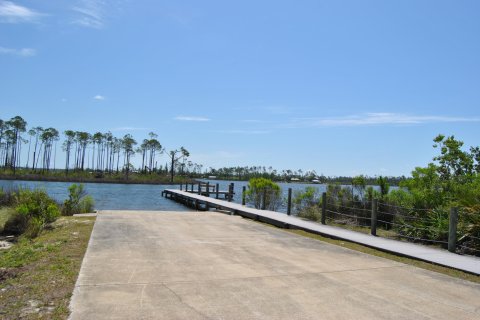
242 278
184 303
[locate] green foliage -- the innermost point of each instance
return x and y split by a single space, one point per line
339 194
34 209
359 184
7 198
371 194
453 181
454 163
429 224
263 194
311 213
78 201
87 204
34 227
16 224
306 203
384 186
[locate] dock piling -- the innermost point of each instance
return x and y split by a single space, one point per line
289 205
373 220
324 207
244 189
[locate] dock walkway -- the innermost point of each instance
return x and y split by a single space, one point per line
437 256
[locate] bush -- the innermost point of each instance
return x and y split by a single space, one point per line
16 224
87 204
34 209
310 213
78 201
263 194
7 198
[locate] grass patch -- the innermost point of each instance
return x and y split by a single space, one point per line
37 276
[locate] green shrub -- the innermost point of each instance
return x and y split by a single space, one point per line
263 194
78 201
34 210
16 224
306 203
87 204
7 198
34 227
313 213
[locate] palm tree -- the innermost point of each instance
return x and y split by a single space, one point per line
18 126
128 144
48 137
38 131
67 146
175 156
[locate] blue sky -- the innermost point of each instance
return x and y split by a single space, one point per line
342 87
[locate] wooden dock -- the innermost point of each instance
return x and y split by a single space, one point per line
437 256
206 189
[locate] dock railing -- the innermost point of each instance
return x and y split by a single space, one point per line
438 227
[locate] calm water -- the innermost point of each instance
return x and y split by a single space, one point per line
138 196
108 196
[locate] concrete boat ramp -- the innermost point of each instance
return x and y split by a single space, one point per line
416 251
190 265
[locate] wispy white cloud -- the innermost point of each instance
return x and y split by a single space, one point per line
14 13
99 97
370 119
24 52
90 13
192 118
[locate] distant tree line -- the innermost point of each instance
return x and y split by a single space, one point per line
105 154
100 152
247 173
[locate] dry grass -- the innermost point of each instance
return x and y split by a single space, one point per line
37 277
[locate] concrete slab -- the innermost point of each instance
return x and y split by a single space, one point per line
174 265
437 256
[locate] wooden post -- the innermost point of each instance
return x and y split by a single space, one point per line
208 189
264 198
181 186
244 189
199 188
216 190
324 207
289 205
230 192
452 229
192 187
373 220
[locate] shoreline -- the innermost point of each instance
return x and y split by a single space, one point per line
83 180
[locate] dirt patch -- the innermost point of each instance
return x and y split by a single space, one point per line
7 273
